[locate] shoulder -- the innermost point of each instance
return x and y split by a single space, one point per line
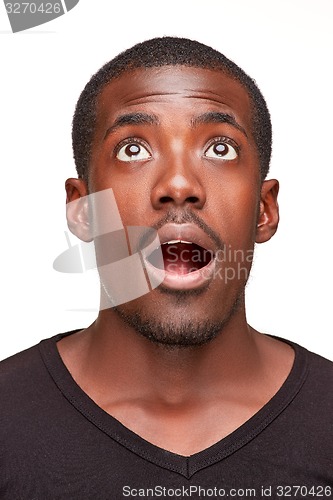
25 379
320 376
308 387
313 404
24 385
319 370
16 368
319 367
24 366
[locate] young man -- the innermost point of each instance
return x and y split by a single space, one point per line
171 394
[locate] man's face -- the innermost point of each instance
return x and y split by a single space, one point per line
176 146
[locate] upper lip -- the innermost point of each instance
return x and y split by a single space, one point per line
187 232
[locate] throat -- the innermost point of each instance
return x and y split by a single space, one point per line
183 258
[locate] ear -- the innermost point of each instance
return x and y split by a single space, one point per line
268 218
77 209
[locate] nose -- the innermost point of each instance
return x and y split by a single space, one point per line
178 184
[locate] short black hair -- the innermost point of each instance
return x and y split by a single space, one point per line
157 52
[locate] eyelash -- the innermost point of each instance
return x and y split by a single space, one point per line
227 140
130 140
135 140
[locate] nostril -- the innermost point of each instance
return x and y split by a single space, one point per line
165 199
189 199
192 199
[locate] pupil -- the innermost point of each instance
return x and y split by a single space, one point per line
220 149
132 149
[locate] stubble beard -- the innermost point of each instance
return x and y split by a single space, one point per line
178 331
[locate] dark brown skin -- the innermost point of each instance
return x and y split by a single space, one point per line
180 399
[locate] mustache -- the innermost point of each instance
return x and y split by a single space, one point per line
183 217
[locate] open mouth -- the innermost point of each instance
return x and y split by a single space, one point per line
181 257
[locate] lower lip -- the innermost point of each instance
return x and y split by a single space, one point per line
175 281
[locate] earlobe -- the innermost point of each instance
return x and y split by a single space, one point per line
77 209
268 218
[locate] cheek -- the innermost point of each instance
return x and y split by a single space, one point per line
133 200
234 212
132 192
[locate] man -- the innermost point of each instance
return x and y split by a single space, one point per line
171 394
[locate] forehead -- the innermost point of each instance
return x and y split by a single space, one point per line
170 90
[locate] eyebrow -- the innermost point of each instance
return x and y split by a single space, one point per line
217 117
132 119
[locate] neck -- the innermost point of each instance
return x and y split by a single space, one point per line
115 358
164 394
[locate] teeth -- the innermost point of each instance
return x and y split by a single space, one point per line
173 242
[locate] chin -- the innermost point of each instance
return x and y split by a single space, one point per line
182 327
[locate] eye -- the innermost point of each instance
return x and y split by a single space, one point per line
221 149
132 151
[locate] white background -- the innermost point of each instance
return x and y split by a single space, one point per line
285 45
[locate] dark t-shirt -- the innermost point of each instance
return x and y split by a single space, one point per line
56 443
